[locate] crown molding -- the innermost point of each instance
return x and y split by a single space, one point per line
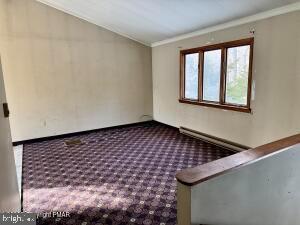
87 19
233 23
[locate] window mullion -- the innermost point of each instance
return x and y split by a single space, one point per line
182 76
223 76
200 76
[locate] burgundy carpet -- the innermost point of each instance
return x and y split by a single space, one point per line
116 176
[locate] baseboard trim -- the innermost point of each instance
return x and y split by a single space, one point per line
214 140
30 141
195 134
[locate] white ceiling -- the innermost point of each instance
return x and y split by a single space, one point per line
149 21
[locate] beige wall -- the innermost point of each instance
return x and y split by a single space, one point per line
64 75
276 106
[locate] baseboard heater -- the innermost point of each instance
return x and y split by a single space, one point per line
212 139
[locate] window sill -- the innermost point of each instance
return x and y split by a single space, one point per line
216 105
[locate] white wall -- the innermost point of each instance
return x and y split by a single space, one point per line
276 106
64 75
9 196
263 193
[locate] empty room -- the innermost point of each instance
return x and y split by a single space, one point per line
150 112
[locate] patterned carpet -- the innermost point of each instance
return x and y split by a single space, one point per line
116 176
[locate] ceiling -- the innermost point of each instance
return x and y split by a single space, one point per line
150 21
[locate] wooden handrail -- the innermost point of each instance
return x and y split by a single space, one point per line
196 175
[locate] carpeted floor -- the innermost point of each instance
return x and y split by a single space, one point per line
115 176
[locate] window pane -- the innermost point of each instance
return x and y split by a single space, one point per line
237 75
211 75
191 76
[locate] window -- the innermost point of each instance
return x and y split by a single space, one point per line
237 75
211 75
218 75
191 76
